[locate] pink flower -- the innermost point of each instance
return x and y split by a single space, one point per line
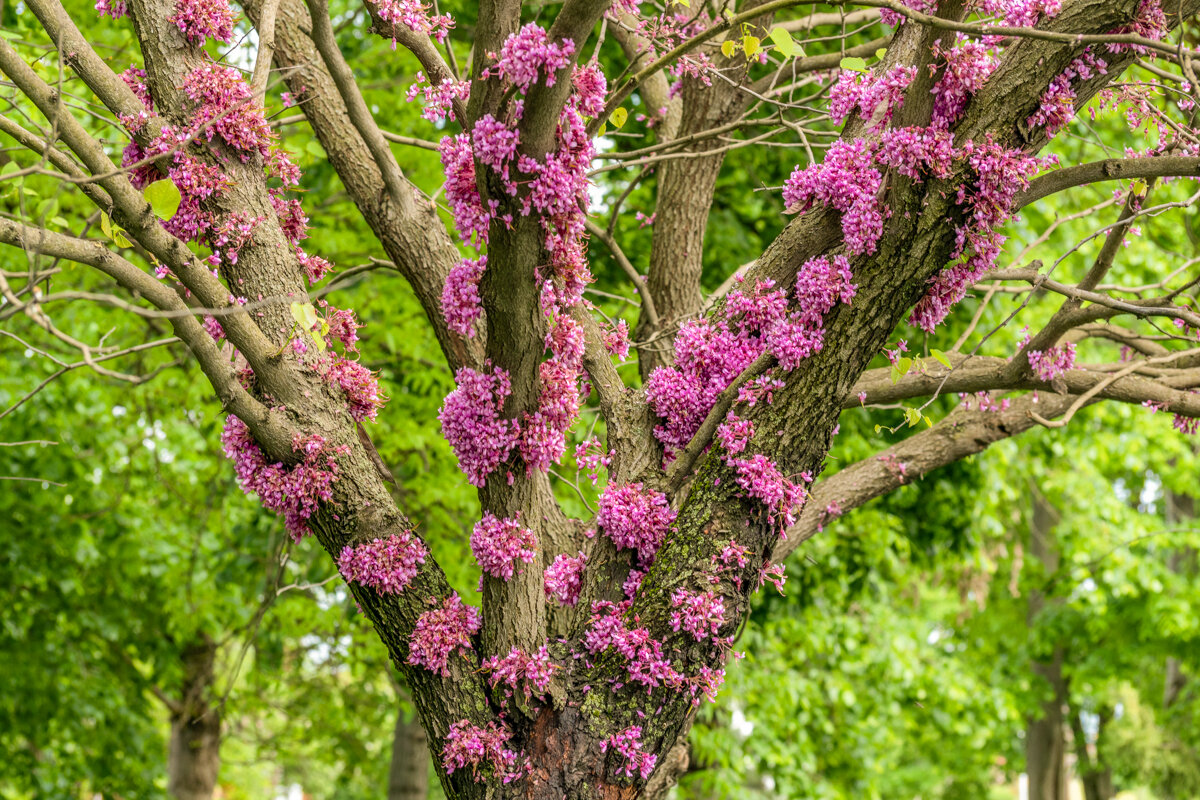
295 491
441 632
635 518
1053 362
563 579
519 670
699 613
386 565
628 743
199 19
472 424
848 182
461 305
498 544
471 746
529 52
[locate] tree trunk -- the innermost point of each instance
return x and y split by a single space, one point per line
1180 508
1045 747
194 754
1093 772
408 778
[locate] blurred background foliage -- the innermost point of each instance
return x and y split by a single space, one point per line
897 665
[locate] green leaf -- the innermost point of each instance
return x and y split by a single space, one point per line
8 168
912 416
119 238
751 45
305 316
881 52
896 374
163 196
904 365
618 117
106 225
603 129
940 356
784 42
728 48
853 63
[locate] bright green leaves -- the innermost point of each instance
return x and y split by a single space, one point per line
618 117
163 197
853 63
113 232
901 368
785 45
752 45
310 322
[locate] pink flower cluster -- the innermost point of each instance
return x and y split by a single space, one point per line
875 97
628 743
1001 173
1186 425
635 518
1054 361
647 664
555 189
967 65
710 354
895 19
441 632
1057 107
528 53
460 296
414 15
386 565
112 8
439 98
225 107
295 491
498 544
471 746
519 670
359 385
1021 13
590 456
848 182
616 340
699 613
563 579
761 479
198 20
472 422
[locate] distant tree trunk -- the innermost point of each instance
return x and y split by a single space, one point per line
194 754
408 778
1045 746
1094 773
1180 508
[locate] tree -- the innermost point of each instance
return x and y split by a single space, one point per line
600 635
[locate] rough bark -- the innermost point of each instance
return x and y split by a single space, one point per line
194 749
408 777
